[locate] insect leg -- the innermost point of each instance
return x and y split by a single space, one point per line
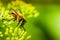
19 22
10 19
22 24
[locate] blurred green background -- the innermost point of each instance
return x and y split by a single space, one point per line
47 25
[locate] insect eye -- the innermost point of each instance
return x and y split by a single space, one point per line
12 13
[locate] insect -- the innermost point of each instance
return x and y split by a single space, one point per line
19 17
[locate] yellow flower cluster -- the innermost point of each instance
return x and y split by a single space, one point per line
1 35
8 29
15 34
26 9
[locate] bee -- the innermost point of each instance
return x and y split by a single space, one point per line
19 17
